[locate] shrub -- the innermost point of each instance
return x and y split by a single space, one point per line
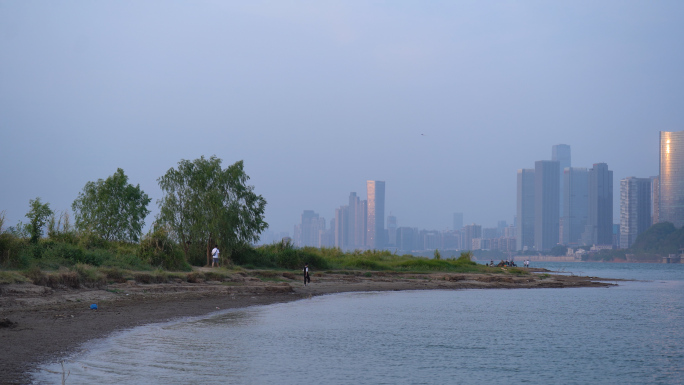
89 276
157 249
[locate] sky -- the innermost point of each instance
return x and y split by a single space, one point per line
442 100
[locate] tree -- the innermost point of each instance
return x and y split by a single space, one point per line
37 216
112 209
205 204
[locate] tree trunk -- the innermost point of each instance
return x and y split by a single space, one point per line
209 248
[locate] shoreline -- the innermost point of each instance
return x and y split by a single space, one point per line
39 324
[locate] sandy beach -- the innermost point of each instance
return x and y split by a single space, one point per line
39 324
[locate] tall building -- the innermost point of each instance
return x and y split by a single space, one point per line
561 154
525 210
599 228
309 228
655 199
635 209
392 230
575 204
671 196
470 232
546 204
458 221
376 214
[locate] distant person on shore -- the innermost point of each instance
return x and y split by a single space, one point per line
215 256
307 278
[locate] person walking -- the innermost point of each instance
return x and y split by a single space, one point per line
307 278
215 256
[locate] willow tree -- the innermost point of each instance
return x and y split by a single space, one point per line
205 204
112 209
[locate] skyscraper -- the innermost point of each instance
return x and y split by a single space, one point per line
546 204
561 153
635 209
599 229
671 200
376 214
391 230
309 229
525 210
575 204
458 221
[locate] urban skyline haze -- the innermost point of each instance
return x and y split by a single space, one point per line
442 101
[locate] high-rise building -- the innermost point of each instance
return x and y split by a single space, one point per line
671 196
575 204
599 228
470 232
525 210
635 209
342 236
392 230
546 204
308 229
376 214
655 199
458 221
561 153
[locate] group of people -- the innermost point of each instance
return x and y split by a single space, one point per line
510 263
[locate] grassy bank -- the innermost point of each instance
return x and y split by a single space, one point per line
84 261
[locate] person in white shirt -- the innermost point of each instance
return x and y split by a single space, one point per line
215 256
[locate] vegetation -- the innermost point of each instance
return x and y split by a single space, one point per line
112 209
205 204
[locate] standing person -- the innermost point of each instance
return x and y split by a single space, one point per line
215 256
306 274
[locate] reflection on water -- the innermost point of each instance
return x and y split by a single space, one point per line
627 334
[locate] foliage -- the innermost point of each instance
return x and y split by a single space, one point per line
558 250
206 204
38 216
437 255
661 238
112 209
157 249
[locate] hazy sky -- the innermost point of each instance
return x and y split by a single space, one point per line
443 100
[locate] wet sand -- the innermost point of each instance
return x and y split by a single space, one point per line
39 324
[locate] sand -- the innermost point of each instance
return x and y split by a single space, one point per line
42 324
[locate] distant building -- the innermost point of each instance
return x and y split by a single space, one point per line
458 221
470 232
391 230
561 154
407 239
307 232
671 191
376 214
635 209
546 204
525 209
490 233
576 204
655 199
599 228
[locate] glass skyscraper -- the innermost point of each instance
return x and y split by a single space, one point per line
671 199
546 204
635 209
525 210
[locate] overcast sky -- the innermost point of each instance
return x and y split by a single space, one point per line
443 100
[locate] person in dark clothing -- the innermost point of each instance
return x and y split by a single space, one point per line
307 278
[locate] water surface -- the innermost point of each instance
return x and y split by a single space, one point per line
630 334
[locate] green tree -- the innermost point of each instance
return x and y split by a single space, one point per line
206 204
112 209
38 216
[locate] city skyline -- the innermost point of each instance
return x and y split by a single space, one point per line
443 101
